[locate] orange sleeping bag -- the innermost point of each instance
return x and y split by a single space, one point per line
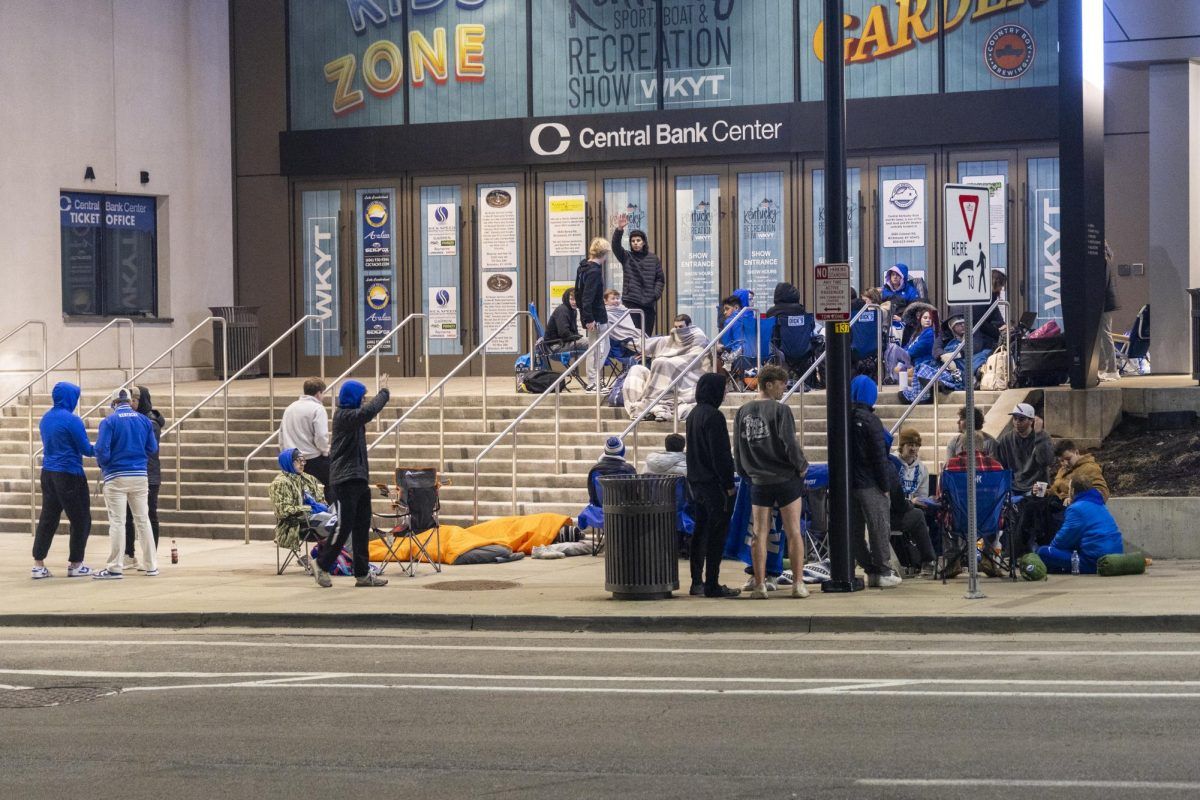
519 534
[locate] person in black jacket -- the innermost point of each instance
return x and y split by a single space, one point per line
589 296
1104 341
349 475
641 273
562 329
143 405
872 482
710 482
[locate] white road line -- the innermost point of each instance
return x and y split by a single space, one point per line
622 650
1030 784
6 686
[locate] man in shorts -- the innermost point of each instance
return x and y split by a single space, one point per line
768 456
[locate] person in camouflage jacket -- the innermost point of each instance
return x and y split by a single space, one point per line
294 496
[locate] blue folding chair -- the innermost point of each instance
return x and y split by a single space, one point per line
993 497
865 336
797 344
1133 349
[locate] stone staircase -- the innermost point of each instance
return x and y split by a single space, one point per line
211 496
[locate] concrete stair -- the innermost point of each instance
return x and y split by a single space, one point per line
210 498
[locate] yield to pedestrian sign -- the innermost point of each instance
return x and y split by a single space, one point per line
968 239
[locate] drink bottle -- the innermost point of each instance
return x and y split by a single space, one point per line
1074 562
174 553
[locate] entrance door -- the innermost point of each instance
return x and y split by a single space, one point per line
856 170
323 271
905 193
732 227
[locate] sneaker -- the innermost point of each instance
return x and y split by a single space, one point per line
928 570
697 590
321 576
129 563
107 575
799 590
888 581
759 592
722 591
589 389
38 573
82 571
787 578
370 579
769 584
151 573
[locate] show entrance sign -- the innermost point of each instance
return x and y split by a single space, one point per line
968 243
833 292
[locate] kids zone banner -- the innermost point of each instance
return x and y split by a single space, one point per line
599 56
353 62
892 47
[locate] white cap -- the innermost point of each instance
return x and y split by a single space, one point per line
1023 410
123 396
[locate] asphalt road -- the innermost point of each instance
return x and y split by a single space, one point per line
290 714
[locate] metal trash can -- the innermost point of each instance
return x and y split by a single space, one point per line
1195 293
641 559
242 324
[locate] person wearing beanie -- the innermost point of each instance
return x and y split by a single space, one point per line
612 462
64 484
124 446
710 481
642 279
349 478
871 495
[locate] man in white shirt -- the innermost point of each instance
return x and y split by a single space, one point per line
305 426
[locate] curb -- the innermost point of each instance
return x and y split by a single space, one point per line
931 625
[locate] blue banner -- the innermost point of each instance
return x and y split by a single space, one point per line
114 211
375 263
377 312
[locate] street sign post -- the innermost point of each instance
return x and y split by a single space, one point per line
968 282
833 292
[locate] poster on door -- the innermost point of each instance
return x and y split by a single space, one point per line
760 235
997 202
697 242
443 312
319 210
441 237
378 313
903 204
497 228
566 225
499 304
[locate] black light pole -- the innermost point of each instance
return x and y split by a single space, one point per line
837 335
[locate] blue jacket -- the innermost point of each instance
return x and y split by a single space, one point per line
125 443
64 439
907 293
1089 527
923 347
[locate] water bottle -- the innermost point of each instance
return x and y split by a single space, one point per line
175 553
1074 562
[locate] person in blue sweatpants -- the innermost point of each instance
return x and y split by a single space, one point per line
1088 528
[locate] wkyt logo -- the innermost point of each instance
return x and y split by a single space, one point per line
686 86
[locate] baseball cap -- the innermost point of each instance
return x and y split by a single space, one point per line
1023 410
123 396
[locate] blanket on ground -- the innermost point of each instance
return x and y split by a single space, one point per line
670 355
518 534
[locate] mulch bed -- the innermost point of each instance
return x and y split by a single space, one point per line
1158 463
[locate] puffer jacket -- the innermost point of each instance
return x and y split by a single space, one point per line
641 273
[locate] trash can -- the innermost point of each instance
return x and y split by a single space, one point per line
641 557
1195 293
241 322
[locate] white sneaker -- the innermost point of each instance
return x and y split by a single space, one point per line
799 590
151 573
759 592
82 571
40 573
889 581
106 575
749 585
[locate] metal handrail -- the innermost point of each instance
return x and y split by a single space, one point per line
441 391
23 326
177 425
799 384
941 370
170 351
674 384
555 389
374 351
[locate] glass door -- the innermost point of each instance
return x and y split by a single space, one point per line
442 282
323 277
861 276
997 170
904 193
765 231
699 202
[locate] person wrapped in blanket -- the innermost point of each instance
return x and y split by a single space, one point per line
925 349
670 354
295 497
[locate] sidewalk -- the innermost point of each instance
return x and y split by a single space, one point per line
222 583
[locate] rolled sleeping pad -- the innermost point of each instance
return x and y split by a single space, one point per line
1121 564
1031 567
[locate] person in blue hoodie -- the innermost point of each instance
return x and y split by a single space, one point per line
64 485
123 450
899 290
1088 528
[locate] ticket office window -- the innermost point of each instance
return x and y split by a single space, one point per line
109 254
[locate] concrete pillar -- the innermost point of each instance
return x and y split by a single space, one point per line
1174 263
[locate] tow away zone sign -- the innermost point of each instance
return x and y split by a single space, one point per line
833 292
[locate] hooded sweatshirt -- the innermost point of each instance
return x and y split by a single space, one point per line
1030 458
1088 526
641 272
901 297
741 335
294 496
146 408
561 327
348 449
589 292
125 443
64 438
1087 466
869 441
709 461
787 304
765 450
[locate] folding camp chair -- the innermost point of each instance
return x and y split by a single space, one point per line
621 356
312 530
798 345
993 489
417 505
1133 349
547 352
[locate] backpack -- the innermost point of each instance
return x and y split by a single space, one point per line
616 395
537 381
994 375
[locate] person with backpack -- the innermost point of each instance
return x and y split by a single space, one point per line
145 406
64 484
350 475
589 296
642 279
710 474
124 446
871 495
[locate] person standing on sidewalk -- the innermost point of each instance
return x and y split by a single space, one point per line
589 296
64 484
642 280
145 406
305 427
350 474
123 448
710 483
767 455
871 481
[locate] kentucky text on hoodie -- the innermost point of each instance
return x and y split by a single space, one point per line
125 444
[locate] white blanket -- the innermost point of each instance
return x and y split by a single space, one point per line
670 355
